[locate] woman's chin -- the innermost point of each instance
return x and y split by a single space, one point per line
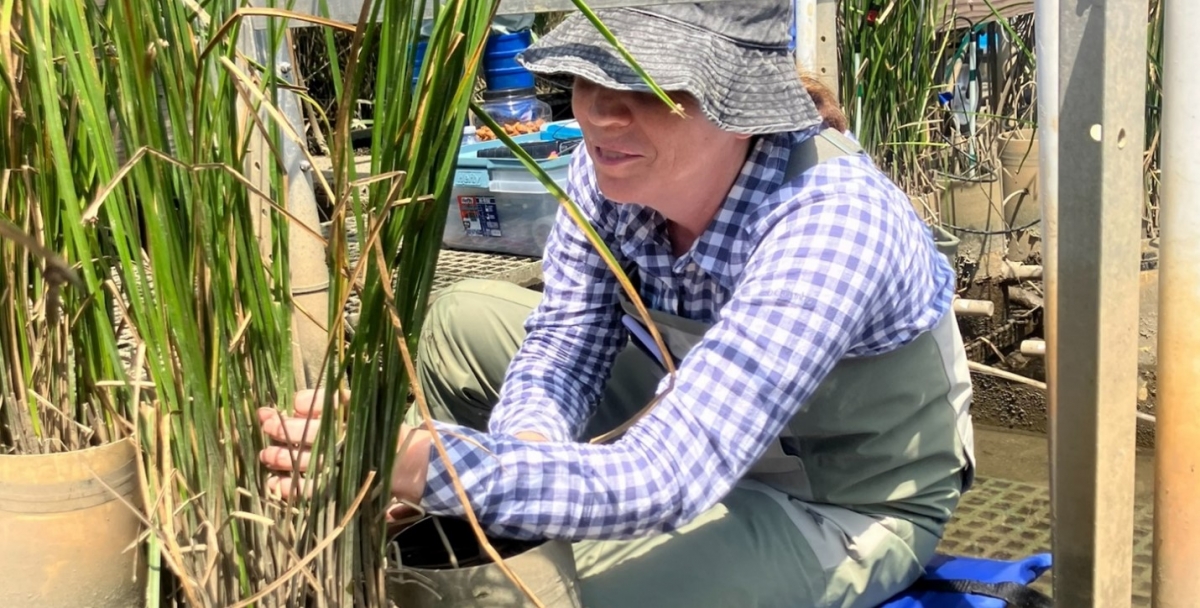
621 191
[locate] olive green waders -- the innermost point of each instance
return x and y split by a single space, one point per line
844 510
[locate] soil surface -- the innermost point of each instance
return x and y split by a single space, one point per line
1004 404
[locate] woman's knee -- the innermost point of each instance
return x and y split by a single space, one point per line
471 332
475 314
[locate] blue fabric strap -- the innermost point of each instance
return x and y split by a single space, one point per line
1014 595
971 582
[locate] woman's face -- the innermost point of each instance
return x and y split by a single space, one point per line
644 154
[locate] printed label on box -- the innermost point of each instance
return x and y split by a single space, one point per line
471 178
479 215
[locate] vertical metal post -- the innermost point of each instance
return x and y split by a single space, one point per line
309 276
826 48
1102 74
1049 104
1177 435
816 40
805 18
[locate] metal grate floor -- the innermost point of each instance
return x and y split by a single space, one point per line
454 266
1003 519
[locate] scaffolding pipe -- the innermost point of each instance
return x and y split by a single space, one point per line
1101 97
1048 104
1176 478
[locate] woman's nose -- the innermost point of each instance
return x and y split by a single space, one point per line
607 108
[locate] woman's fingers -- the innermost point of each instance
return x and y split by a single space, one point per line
310 402
286 429
283 458
285 486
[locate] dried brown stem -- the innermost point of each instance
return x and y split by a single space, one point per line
427 422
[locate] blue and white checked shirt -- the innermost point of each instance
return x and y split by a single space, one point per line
794 277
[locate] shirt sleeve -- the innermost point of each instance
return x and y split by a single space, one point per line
558 374
800 305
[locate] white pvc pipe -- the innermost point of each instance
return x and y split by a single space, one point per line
1033 348
974 308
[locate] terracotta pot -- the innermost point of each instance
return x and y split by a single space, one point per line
66 540
946 243
975 205
548 569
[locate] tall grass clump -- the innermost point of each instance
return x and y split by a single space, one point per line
1154 55
142 146
62 378
150 203
891 55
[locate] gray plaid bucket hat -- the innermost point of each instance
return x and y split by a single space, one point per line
731 56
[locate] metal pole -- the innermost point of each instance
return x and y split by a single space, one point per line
826 66
1176 479
1049 105
805 19
1101 86
1046 36
309 276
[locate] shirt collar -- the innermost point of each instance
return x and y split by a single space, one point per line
721 250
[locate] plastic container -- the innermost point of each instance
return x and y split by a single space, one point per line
510 98
498 206
500 68
468 136
418 61
519 111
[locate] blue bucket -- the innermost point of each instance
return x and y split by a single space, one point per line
500 67
418 60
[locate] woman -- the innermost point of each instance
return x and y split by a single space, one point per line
817 437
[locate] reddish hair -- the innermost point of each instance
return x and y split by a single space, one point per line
826 102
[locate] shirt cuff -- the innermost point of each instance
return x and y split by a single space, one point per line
473 461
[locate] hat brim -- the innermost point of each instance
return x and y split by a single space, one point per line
740 89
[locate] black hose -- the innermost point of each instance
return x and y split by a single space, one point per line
993 232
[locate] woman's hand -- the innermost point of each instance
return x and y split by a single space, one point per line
295 435
412 464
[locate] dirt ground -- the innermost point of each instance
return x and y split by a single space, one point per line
1007 405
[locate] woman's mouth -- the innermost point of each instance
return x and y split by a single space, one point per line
610 157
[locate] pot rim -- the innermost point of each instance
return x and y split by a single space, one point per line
79 452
